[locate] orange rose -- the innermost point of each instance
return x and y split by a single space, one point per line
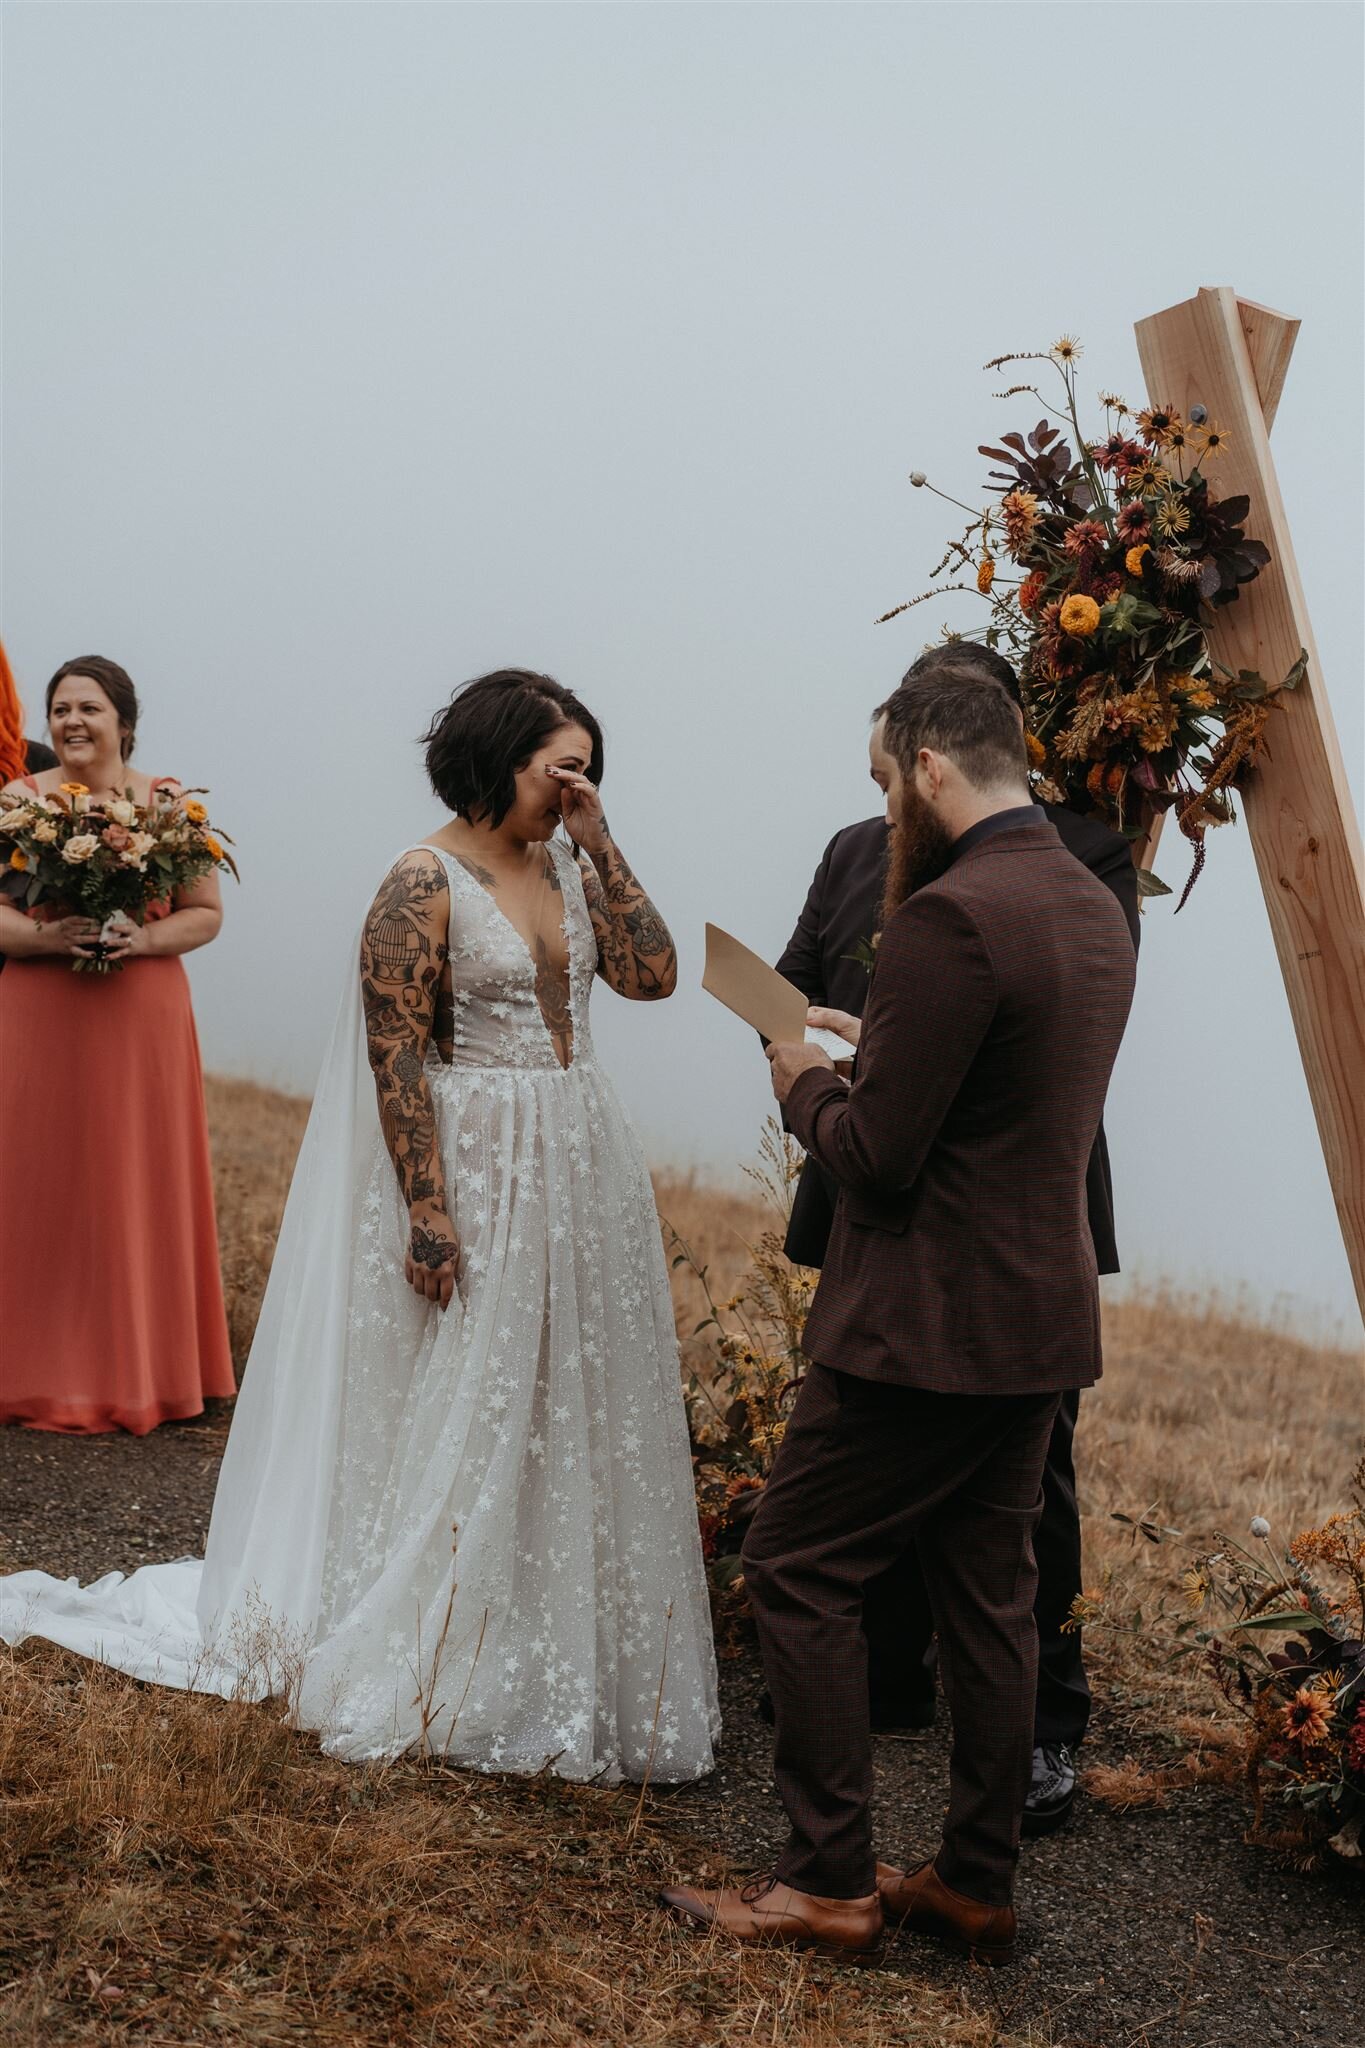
213 846
18 861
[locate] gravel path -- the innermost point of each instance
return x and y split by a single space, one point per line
1150 1929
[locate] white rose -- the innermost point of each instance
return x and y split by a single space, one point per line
80 848
45 831
122 812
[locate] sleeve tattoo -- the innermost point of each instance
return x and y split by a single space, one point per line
635 951
402 965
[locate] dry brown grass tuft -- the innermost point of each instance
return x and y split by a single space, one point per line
182 1869
256 1134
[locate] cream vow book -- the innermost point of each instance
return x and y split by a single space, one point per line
761 996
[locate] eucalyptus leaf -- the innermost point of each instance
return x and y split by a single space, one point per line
1149 884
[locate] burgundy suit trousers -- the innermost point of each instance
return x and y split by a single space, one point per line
866 1468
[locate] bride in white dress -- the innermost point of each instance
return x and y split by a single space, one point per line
455 1512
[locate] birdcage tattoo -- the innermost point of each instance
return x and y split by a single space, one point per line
396 945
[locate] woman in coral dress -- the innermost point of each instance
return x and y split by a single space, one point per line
111 1305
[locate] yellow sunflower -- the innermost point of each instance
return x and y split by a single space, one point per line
1148 476
1157 424
1209 441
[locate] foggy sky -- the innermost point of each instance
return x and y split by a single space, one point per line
349 351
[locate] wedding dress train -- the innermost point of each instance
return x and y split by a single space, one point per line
472 1532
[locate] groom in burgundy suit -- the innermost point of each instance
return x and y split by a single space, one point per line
957 1303
827 959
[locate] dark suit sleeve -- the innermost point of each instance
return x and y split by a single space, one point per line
1115 869
802 963
932 999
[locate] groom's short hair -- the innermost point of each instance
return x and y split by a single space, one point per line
986 661
955 710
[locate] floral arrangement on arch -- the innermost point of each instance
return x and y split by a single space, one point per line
1290 1659
105 859
1102 564
1282 1634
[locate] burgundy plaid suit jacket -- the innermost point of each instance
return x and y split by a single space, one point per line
961 1258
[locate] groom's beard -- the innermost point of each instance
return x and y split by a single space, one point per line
920 850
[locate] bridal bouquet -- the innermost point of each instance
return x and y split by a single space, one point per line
1102 563
107 859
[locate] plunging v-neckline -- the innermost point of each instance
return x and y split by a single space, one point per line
565 933
556 887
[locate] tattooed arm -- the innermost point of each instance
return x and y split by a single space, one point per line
402 964
635 951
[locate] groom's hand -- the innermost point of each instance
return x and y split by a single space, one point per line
787 1061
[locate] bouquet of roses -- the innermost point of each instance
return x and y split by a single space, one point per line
108 859
1103 563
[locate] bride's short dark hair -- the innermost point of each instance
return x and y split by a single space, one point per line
491 728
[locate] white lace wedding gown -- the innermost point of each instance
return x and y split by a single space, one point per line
471 1531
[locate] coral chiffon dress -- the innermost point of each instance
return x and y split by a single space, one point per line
111 1302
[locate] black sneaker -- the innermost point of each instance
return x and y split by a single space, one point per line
887 1719
1052 1793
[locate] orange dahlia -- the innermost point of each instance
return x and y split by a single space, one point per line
1031 590
1305 1718
1019 509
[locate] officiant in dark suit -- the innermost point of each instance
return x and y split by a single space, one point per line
957 1303
828 958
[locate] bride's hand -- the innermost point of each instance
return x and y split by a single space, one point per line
838 1021
432 1264
584 820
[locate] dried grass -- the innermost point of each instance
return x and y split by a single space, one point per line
178 1868
183 1869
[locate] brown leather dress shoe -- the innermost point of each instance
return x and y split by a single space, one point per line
920 1900
851 1930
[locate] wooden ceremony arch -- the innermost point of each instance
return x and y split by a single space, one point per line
1231 356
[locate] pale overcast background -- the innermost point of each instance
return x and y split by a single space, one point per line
351 350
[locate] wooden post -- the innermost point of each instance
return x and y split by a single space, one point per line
1228 355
